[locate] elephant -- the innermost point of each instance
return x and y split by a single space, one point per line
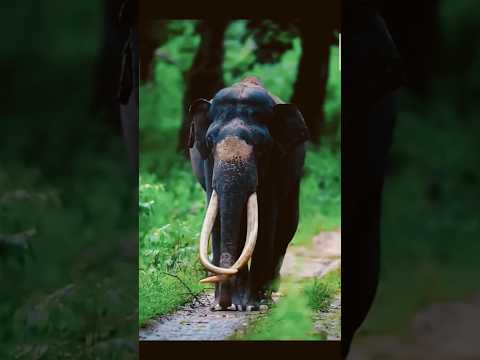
247 150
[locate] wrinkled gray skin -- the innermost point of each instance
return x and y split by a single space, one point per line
245 141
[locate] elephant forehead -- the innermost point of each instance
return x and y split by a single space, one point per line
233 148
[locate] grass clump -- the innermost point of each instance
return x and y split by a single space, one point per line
320 291
290 319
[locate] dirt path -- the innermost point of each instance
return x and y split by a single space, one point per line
441 331
195 321
328 322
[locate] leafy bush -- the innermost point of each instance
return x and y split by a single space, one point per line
171 215
320 194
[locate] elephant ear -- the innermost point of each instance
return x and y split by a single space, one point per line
288 127
199 123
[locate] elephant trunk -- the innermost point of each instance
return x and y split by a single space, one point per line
234 200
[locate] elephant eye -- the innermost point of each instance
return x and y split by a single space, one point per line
209 141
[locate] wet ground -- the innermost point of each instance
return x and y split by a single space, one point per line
195 321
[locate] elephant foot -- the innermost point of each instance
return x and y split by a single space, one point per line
257 307
233 307
260 303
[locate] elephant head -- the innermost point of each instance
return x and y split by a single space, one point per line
241 131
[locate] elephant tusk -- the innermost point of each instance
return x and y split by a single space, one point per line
207 227
247 252
214 279
252 229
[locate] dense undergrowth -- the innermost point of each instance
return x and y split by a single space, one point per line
67 198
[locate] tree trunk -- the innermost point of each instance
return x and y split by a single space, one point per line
205 77
417 39
150 25
310 85
107 69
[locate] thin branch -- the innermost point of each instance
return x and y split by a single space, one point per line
186 286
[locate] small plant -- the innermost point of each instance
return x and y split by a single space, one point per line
321 291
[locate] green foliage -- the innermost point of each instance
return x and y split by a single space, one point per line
240 62
62 283
333 98
170 199
320 291
181 46
170 218
320 194
161 101
67 209
290 319
272 39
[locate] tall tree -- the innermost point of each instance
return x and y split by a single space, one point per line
107 70
205 76
310 85
417 39
152 29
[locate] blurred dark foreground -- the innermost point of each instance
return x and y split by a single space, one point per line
427 302
68 218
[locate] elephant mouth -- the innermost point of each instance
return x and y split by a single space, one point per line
222 274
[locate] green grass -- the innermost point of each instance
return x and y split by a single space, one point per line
170 220
291 317
320 291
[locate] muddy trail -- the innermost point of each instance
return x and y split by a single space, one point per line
195 320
